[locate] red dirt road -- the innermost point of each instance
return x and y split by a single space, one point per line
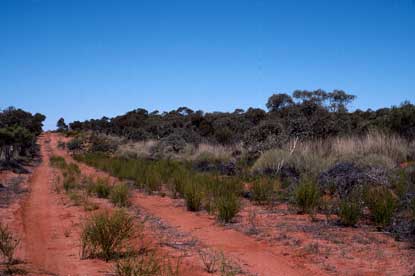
51 241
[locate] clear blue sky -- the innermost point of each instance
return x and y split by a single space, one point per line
84 59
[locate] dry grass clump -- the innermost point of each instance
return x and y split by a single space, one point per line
8 244
141 149
120 195
107 234
374 149
373 143
148 264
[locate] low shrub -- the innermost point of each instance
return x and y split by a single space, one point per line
57 162
382 205
350 211
70 182
74 144
120 195
8 244
262 190
61 145
148 264
193 196
101 187
228 206
105 235
141 265
307 195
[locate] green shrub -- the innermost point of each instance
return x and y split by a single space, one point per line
105 235
70 182
263 190
74 144
307 195
8 244
61 145
350 212
101 187
382 205
193 196
57 162
141 265
228 206
120 195
148 264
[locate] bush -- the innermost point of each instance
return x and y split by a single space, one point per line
61 145
193 196
228 206
120 195
105 235
307 195
147 265
74 144
382 205
350 212
101 188
57 162
263 190
8 244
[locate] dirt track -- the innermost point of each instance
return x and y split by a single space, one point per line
48 224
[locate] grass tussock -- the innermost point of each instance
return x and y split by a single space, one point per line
307 195
106 234
382 204
350 211
120 195
8 244
148 264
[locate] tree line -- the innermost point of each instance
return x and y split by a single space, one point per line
18 132
303 114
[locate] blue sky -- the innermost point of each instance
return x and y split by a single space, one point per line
85 59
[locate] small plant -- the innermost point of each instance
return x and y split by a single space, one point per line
307 195
74 144
350 212
228 206
105 235
193 196
61 145
382 205
101 188
148 264
210 260
225 267
8 244
141 265
57 162
262 191
120 195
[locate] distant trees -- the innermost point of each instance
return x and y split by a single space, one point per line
18 132
61 125
304 114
